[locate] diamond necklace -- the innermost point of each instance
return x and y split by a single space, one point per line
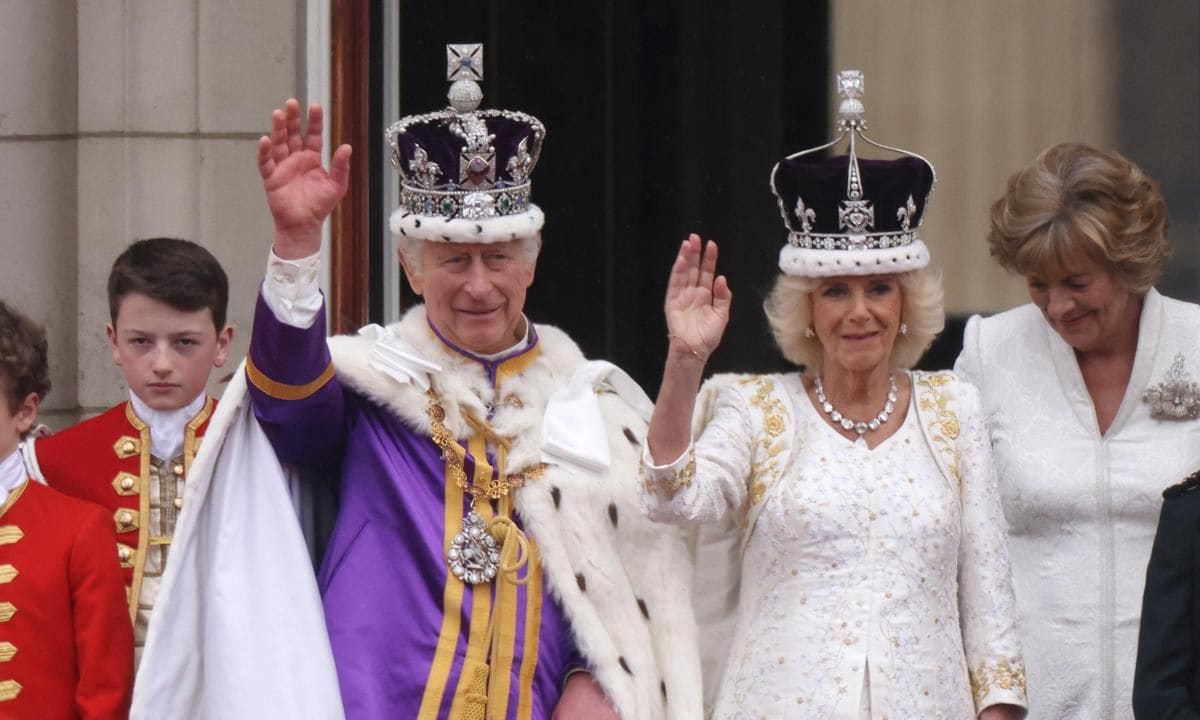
858 426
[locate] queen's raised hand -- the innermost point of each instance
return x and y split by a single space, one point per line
697 310
698 300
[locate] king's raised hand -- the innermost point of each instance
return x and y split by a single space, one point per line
300 192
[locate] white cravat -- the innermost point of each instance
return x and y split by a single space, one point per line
166 426
12 474
573 426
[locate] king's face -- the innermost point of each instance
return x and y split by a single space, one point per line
475 292
166 353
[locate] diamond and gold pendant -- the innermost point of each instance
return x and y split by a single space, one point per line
473 556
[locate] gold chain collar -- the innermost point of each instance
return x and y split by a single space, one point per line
452 455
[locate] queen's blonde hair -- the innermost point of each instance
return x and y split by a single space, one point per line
789 312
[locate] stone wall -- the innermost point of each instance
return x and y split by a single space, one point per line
128 119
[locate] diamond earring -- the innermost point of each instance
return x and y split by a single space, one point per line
903 328
808 332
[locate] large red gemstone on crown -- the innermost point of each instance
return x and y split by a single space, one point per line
477 170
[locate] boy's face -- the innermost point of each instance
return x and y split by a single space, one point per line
166 353
15 422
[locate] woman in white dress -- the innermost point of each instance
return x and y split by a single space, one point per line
1092 414
874 573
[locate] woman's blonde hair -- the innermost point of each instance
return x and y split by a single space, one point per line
1074 198
789 312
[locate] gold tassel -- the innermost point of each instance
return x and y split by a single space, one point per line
475 696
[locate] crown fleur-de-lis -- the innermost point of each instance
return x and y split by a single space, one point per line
520 164
805 215
423 170
906 213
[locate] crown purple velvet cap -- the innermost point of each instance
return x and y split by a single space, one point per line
848 215
465 173
821 184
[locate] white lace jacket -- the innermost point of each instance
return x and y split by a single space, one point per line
1082 508
856 561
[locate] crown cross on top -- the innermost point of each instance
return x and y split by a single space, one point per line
464 70
851 86
464 62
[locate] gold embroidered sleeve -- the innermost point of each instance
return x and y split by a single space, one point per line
670 479
996 681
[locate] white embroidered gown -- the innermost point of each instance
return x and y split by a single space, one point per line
1082 507
862 596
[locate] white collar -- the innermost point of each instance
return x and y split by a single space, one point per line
12 474
484 357
519 345
166 426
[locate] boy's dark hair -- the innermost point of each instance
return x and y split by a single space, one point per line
176 272
24 368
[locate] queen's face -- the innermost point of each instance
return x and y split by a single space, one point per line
856 319
1083 301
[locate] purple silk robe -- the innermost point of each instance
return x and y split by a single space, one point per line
384 580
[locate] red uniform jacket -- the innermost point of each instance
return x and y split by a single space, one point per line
106 460
66 647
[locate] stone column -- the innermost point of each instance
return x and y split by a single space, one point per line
38 179
173 95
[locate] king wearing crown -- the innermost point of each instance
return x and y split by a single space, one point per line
488 557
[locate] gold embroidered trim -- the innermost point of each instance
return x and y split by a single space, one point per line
137 423
764 470
13 497
944 427
127 447
7 573
139 555
683 477
453 454
9 690
10 534
1001 674
679 479
7 610
191 443
283 391
7 651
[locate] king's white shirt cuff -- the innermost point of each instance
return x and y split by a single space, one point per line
292 291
